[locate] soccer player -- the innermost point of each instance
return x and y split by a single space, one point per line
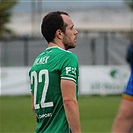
54 77
124 120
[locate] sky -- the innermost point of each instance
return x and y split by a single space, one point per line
25 5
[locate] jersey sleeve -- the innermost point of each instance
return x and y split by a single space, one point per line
69 69
128 92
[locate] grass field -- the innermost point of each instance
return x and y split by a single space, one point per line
97 114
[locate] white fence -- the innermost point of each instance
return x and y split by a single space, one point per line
14 81
103 80
100 80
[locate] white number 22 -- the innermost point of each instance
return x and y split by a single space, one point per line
34 76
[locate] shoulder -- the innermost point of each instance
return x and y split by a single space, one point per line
70 54
70 57
67 54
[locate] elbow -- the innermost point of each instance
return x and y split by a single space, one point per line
123 115
69 102
32 108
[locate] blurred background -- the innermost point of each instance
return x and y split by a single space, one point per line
105 31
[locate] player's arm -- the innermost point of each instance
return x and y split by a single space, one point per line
124 120
32 103
71 107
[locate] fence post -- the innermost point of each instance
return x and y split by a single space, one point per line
26 54
106 54
4 53
93 49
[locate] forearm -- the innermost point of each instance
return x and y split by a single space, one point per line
32 104
122 124
72 114
124 120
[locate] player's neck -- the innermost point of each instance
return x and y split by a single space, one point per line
51 44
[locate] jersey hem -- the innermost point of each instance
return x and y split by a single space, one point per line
127 97
68 78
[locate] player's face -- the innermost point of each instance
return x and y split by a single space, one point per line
70 35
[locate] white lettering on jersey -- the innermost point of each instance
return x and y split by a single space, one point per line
74 70
70 71
45 115
42 60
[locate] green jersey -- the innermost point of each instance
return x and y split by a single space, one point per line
49 68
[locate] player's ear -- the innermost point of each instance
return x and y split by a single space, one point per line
59 34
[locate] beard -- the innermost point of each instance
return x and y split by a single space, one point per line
68 44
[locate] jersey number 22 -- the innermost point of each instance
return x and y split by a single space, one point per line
34 76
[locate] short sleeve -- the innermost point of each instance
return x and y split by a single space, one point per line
128 92
69 69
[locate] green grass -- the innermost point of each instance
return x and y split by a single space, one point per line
97 114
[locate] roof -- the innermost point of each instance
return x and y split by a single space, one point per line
103 27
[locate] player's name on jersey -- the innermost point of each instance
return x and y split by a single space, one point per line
42 60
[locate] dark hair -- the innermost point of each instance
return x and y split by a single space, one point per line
51 23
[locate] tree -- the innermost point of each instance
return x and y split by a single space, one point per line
5 16
130 4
